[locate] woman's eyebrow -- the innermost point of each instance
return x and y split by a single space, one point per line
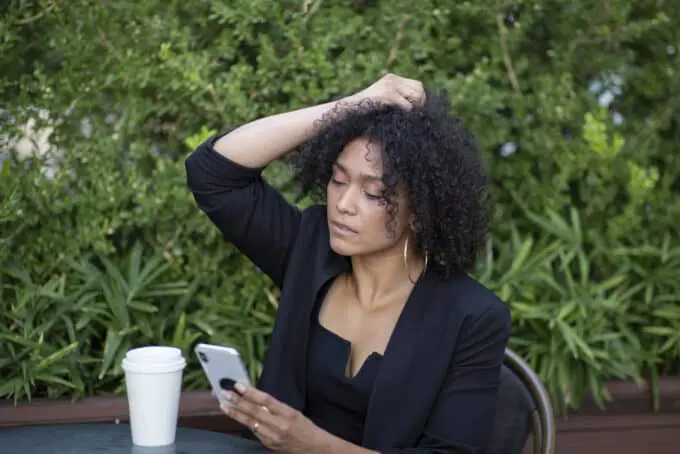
364 176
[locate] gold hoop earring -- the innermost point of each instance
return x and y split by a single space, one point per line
408 273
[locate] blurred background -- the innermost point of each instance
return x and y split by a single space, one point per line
575 104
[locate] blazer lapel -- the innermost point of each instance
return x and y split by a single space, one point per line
285 373
397 373
330 266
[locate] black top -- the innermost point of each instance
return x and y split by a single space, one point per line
336 402
436 388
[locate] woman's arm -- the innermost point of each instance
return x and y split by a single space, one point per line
224 174
256 144
260 142
249 213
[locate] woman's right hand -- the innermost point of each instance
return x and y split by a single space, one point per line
393 89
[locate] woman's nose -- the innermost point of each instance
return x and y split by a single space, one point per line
347 201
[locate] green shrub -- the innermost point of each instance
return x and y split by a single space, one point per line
585 244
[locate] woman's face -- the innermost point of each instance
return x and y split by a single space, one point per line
357 214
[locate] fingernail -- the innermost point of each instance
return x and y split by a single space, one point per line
228 395
240 387
225 408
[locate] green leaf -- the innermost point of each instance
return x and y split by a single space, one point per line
114 341
4 170
668 312
55 357
10 388
143 307
659 330
567 310
55 380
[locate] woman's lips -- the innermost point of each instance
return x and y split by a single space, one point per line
340 229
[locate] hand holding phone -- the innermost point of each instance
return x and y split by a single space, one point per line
222 366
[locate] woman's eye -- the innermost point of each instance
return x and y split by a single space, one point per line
373 196
336 181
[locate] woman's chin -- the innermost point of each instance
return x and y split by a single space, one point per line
340 247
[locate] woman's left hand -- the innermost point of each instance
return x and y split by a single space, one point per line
278 426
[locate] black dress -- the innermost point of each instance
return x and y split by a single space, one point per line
335 402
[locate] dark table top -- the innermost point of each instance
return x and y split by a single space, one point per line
116 439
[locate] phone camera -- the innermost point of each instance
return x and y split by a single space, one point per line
203 357
227 384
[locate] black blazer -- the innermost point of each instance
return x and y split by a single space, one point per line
437 387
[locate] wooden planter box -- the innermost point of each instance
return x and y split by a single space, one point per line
629 425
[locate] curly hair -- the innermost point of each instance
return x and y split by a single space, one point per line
430 153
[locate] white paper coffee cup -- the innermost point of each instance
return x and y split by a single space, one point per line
153 378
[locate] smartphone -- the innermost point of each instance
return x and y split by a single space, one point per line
222 366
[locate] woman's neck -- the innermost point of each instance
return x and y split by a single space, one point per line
378 278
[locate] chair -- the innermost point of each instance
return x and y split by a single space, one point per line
523 407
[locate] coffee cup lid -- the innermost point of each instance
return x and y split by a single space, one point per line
154 353
153 359
153 367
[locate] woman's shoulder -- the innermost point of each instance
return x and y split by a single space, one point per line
472 298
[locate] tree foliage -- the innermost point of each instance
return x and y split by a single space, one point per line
573 102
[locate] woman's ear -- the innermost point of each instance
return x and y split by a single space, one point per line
413 224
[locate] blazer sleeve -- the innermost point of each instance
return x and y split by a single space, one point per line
249 212
462 419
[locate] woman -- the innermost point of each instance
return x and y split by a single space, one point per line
382 343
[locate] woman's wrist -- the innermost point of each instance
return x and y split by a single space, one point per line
322 441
